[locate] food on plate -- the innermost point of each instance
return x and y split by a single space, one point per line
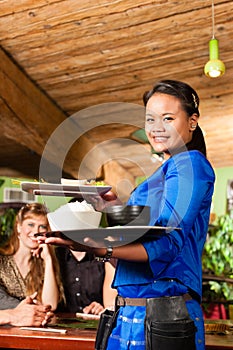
74 215
82 182
96 183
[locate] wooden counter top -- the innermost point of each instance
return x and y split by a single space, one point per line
79 338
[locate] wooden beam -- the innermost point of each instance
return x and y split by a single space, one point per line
32 119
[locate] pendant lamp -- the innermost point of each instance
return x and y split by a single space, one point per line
214 68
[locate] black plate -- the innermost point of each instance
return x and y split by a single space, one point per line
114 236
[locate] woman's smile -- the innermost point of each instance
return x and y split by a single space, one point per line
160 139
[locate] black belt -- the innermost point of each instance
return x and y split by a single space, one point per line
120 301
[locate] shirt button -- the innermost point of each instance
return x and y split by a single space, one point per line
197 319
77 279
78 294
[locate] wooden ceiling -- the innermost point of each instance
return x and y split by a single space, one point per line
72 76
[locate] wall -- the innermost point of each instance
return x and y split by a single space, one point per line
220 192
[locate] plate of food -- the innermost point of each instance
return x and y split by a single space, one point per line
68 190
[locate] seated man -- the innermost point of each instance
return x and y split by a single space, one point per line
87 282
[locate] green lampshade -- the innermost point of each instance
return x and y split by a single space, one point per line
214 67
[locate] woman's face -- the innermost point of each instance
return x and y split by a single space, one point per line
29 226
167 125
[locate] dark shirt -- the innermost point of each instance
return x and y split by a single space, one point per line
82 280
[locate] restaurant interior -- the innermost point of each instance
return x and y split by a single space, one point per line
73 74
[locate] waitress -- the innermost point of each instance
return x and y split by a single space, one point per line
179 194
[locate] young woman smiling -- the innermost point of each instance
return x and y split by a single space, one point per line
164 269
27 267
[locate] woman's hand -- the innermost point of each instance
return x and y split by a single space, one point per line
42 251
100 203
45 252
30 313
59 240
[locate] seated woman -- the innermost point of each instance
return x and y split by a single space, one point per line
26 266
87 282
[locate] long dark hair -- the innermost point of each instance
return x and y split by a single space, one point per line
189 100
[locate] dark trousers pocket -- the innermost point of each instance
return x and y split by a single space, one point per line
174 335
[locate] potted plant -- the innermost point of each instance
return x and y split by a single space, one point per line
217 266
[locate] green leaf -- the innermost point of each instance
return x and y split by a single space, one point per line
217 257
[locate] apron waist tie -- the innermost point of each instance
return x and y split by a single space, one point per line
120 301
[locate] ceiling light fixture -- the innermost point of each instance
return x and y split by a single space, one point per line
214 68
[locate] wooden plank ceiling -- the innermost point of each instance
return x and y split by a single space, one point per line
72 75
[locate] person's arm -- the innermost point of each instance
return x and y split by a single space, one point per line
7 301
27 313
50 292
130 252
109 293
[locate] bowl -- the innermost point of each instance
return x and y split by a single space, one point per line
67 220
130 215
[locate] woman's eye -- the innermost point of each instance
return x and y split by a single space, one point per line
168 118
149 120
31 225
43 227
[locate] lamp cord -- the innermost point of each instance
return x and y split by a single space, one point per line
213 18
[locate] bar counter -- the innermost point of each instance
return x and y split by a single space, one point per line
79 338
16 338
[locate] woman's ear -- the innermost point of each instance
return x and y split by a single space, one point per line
193 121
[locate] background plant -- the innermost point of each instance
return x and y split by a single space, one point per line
7 218
217 260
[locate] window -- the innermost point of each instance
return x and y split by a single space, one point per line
17 195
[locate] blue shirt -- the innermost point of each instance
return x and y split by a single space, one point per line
179 194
